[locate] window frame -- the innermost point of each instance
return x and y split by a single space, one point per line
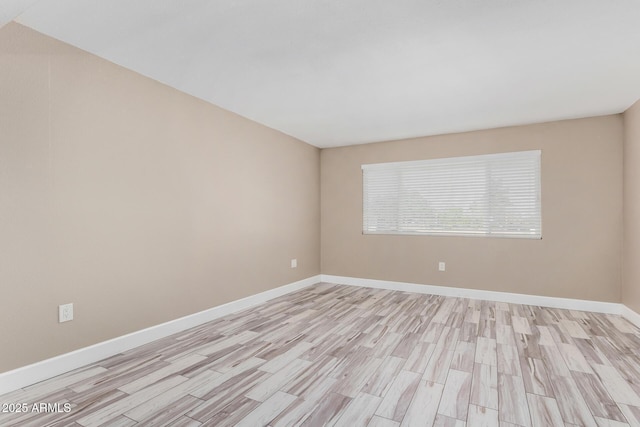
488 228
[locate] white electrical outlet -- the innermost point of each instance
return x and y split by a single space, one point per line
294 263
65 312
441 266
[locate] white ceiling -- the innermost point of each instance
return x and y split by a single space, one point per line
354 71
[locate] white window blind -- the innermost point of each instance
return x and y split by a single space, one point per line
487 195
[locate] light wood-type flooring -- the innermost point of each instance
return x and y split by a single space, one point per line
348 356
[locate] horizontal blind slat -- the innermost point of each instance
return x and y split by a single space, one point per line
475 195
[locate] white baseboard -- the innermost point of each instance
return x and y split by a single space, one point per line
31 374
554 302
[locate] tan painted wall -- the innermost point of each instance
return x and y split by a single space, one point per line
580 253
631 272
136 202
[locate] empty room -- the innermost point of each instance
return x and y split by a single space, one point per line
316 213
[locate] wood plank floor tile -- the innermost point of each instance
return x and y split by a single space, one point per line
570 401
554 362
359 412
520 325
438 365
89 375
621 324
171 412
574 359
341 355
508 361
505 335
444 311
535 376
424 405
346 364
631 413
88 406
406 345
185 421
381 380
472 315
167 398
121 421
604 422
264 413
559 335
528 344
455 396
377 421
226 342
301 408
274 382
331 407
618 388
284 359
513 407
444 421
448 338
121 406
591 352
484 386
351 383
310 380
321 347
487 328
469 332
597 397
573 328
224 394
482 417
229 378
463 356
294 414
398 396
546 338
386 345
419 357
544 411
432 332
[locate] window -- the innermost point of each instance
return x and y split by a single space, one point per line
488 195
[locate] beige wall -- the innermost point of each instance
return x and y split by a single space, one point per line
631 272
578 257
136 202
